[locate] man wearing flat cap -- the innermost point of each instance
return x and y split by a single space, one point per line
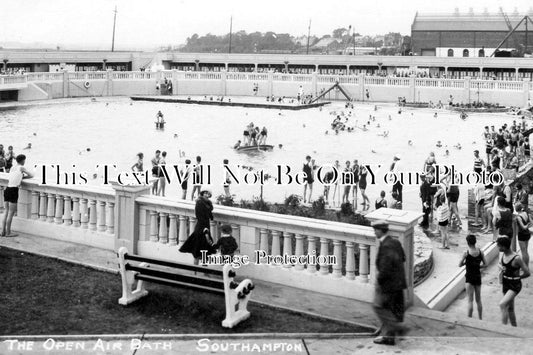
389 299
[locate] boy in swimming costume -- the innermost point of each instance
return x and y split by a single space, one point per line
197 186
11 194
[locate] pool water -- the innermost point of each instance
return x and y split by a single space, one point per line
115 130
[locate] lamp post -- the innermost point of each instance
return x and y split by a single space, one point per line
104 64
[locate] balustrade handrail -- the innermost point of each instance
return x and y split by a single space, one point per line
258 219
80 191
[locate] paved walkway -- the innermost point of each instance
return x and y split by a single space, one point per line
137 345
438 330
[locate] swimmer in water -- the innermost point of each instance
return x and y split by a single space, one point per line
175 135
458 146
410 142
303 125
373 151
435 115
28 146
326 132
439 144
280 146
35 134
447 152
378 125
390 118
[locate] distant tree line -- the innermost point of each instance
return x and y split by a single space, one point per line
271 42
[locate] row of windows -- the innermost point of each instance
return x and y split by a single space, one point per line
466 53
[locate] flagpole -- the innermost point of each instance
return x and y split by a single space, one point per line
114 23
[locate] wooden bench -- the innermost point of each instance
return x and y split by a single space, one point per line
135 268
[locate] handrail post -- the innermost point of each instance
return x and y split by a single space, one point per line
401 226
127 215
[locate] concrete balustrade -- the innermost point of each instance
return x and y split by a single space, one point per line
58 212
154 226
388 89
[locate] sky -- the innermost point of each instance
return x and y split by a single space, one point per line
143 24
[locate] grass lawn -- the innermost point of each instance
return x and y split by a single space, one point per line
43 296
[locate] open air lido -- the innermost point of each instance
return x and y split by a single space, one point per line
310 198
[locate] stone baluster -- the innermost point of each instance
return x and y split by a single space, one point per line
350 261
263 240
192 224
92 215
50 212
110 219
324 251
182 237
363 262
173 230
275 243
163 230
236 232
287 246
337 251
42 206
153 226
2 198
311 250
299 250
101 216
84 213
59 210
76 211
34 204
67 212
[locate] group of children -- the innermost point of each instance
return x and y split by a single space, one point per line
253 135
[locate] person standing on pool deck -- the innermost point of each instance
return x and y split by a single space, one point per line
227 180
309 179
161 175
155 171
510 265
523 222
502 219
472 259
185 179
479 164
347 181
10 155
395 168
355 187
363 172
138 166
11 194
197 177
389 302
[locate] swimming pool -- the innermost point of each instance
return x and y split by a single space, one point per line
115 130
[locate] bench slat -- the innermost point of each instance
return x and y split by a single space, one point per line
177 283
204 270
190 279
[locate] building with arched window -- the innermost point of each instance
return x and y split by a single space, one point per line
450 52
466 53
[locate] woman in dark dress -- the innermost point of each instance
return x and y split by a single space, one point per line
201 239
472 259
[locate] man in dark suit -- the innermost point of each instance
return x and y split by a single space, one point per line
390 282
